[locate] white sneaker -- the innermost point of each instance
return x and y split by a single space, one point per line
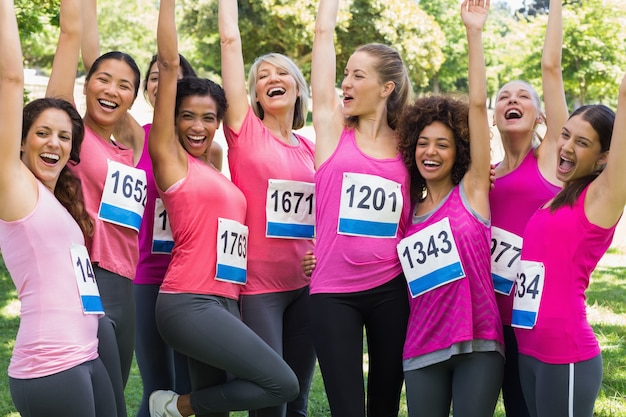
163 404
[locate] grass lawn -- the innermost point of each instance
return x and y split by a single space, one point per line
607 314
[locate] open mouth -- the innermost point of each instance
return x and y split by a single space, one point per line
276 92
431 164
513 114
49 158
565 164
107 104
196 140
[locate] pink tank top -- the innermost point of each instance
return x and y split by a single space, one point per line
255 157
349 262
54 334
462 310
113 247
194 206
514 199
151 266
569 246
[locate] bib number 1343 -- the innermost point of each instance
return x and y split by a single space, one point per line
430 258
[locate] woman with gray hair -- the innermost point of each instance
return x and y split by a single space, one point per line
274 168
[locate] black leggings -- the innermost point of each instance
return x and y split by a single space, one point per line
160 366
281 319
567 390
470 382
116 330
231 368
512 395
82 391
337 323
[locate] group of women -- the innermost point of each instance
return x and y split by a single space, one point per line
453 281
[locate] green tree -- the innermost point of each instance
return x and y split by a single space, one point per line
129 26
287 27
452 75
401 24
38 22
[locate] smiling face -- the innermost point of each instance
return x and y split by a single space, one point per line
276 89
47 146
580 151
110 92
517 108
196 123
435 153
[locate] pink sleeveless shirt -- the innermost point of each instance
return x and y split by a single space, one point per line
462 310
254 157
54 334
351 263
151 267
194 205
514 199
113 247
569 246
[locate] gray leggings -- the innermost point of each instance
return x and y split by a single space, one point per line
82 391
471 382
116 330
281 319
567 390
231 368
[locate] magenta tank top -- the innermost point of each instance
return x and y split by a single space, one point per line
152 262
514 199
462 310
569 246
359 195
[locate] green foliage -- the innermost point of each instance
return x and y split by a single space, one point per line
400 24
38 21
129 26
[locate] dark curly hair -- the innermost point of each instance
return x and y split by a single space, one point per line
68 188
424 111
194 86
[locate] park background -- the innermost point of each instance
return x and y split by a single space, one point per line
431 38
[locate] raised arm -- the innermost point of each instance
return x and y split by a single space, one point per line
477 184
65 64
169 159
553 90
90 41
606 198
327 115
16 187
233 73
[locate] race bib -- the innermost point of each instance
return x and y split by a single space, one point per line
232 251
506 248
86 280
290 209
430 258
162 240
528 293
370 206
124 196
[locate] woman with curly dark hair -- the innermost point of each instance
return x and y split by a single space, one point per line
454 348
